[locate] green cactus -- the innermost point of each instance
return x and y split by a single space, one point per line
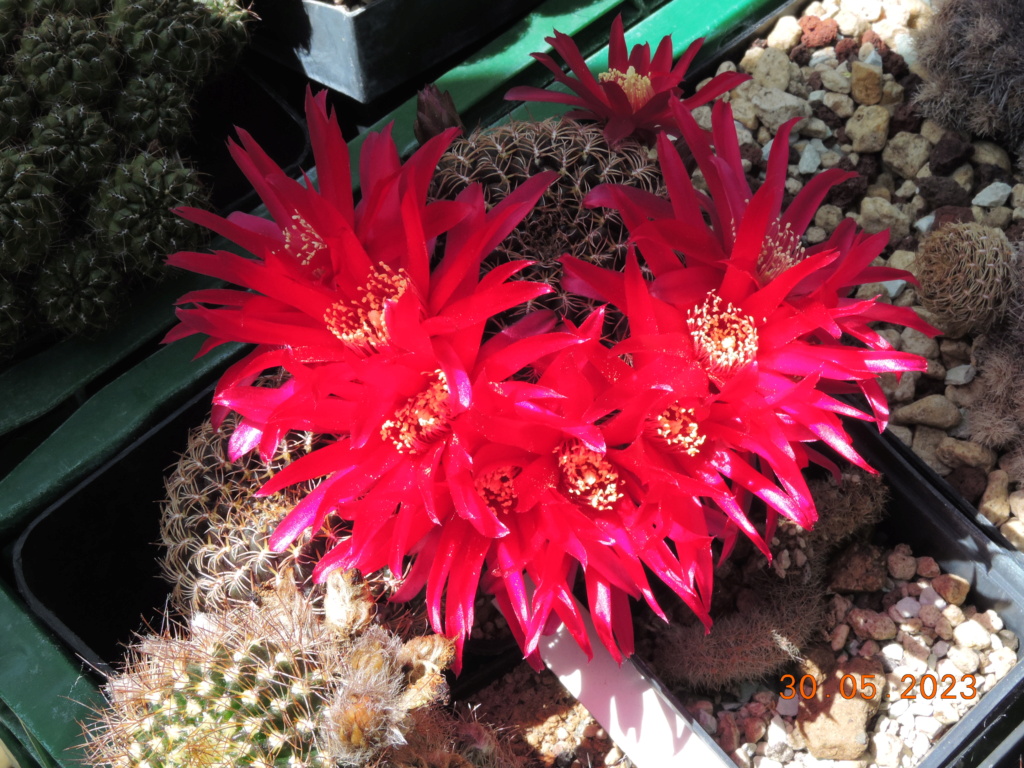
229 22
131 211
67 57
77 289
152 108
29 212
168 37
16 108
13 312
271 685
73 143
37 10
12 20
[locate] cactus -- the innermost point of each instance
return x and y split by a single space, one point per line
12 20
67 58
967 276
502 158
228 21
765 615
972 54
166 37
273 684
153 108
74 144
37 10
215 529
16 106
29 216
13 312
77 289
131 211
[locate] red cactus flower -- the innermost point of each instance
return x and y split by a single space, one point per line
738 336
632 98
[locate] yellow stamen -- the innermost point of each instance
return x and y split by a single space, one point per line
362 324
589 476
678 428
779 252
637 87
302 241
726 339
423 419
496 489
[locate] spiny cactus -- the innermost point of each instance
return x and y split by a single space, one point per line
131 211
967 276
78 288
167 37
36 10
74 143
273 685
67 57
152 108
12 20
16 106
972 53
215 529
29 213
228 20
764 615
501 158
13 312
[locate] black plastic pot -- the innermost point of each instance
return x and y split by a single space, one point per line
366 51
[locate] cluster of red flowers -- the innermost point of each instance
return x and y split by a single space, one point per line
522 460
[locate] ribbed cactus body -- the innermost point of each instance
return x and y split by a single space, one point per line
13 312
502 158
168 37
215 528
228 21
131 211
78 287
12 19
67 57
273 684
29 212
74 143
152 108
16 105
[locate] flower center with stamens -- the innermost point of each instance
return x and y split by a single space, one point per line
302 241
677 427
780 251
726 339
589 476
496 489
361 324
637 87
423 419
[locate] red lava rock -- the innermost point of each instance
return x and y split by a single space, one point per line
818 32
755 155
970 482
869 165
905 118
846 193
814 81
987 173
1015 232
942 191
800 54
895 64
876 40
826 115
846 49
949 153
951 213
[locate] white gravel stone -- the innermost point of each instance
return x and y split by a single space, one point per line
787 707
908 607
964 659
929 596
993 195
971 634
